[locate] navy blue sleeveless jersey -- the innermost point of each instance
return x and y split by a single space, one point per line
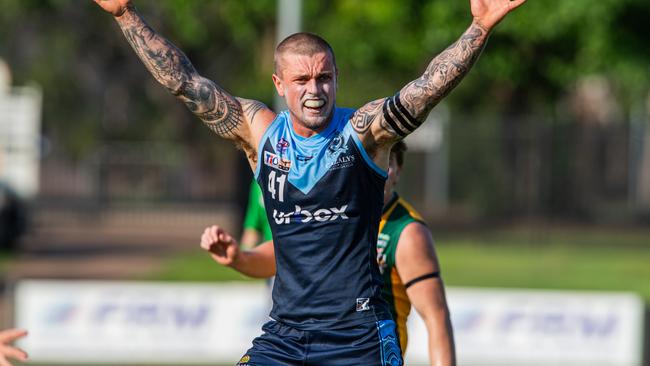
323 197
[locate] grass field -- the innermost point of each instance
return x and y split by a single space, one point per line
589 259
560 259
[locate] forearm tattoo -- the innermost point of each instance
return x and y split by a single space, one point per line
171 68
406 111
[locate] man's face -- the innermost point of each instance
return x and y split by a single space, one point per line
308 84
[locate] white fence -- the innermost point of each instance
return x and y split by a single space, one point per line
85 322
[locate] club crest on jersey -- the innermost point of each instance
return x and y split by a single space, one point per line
282 146
274 161
337 145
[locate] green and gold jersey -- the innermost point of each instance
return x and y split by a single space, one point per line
255 215
396 215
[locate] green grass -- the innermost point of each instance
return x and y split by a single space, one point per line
582 259
196 266
558 259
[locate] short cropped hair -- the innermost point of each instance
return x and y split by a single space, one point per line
398 151
302 43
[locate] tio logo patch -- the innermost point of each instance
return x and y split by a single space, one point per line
274 161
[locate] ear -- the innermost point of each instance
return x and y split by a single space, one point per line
336 73
279 86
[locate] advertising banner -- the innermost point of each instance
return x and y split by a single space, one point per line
135 323
535 327
85 322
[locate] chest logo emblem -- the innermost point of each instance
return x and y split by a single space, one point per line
337 145
274 161
282 146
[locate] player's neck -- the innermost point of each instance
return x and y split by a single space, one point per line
303 130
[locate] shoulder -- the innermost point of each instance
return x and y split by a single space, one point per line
361 119
416 232
256 112
258 117
415 244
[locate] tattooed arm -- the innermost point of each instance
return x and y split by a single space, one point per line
384 121
220 111
406 110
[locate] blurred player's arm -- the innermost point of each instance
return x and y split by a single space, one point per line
254 219
227 116
384 121
417 265
250 238
258 262
6 351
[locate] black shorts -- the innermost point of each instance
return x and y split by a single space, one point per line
373 344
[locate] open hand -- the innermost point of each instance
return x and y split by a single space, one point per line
223 247
8 336
115 7
488 13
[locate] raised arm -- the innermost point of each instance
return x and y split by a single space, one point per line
384 121
220 111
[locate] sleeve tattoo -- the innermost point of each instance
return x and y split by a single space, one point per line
364 116
221 112
251 107
406 110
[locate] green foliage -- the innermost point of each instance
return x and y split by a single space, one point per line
95 89
544 47
74 51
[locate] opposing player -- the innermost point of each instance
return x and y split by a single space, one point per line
407 261
6 351
256 225
322 169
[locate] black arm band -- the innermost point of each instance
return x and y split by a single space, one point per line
412 120
421 278
391 121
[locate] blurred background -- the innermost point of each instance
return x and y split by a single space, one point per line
534 173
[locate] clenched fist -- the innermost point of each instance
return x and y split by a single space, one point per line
223 247
115 7
488 13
